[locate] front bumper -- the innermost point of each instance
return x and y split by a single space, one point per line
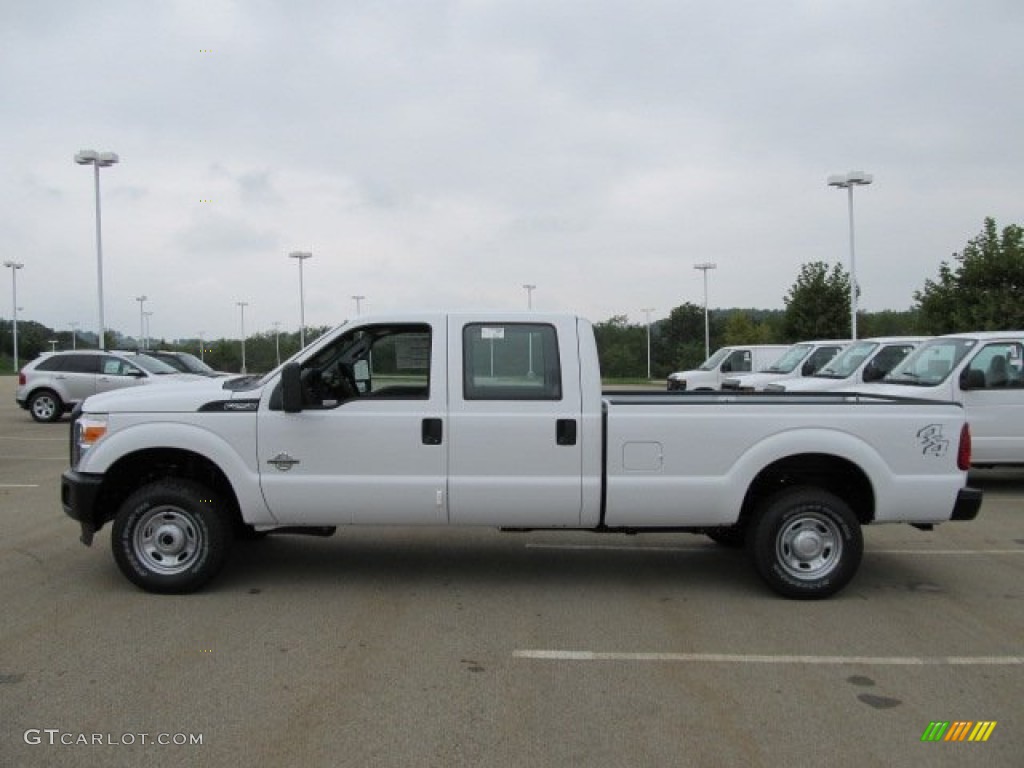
78 493
968 502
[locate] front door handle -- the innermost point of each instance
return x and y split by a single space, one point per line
432 431
565 432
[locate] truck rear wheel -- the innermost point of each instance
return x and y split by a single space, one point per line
171 536
806 543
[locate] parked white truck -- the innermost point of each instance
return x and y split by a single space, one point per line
864 361
982 371
727 361
801 359
497 420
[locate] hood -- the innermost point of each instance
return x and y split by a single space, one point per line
756 379
813 384
184 395
900 390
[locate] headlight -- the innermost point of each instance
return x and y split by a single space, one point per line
88 429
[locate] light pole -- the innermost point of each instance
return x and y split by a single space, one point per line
704 267
201 345
277 340
530 288
74 334
14 266
848 181
301 256
242 305
98 160
359 303
53 345
142 320
647 311
146 325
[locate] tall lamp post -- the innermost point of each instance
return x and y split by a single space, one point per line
530 288
647 311
142 320
277 340
704 267
146 326
359 303
301 256
14 267
848 181
74 334
242 305
201 345
98 160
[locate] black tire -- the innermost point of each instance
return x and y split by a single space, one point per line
731 536
806 543
45 406
171 536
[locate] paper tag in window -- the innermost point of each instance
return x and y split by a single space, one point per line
492 333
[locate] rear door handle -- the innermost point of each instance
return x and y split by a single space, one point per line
565 432
432 431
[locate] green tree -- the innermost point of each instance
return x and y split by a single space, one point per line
621 347
679 344
983 291
741 329
818 304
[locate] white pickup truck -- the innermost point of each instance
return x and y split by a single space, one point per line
499 420
982 371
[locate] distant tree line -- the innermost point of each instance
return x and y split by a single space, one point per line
980 289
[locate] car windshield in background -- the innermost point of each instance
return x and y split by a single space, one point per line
152 365
931 363
790 360
848 361
195 365
712 362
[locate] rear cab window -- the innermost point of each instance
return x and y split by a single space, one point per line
510 361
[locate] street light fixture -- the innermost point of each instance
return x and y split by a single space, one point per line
201 345
530 288
647 311
277 339
301 256
142 320
529 295
704 267
146 325
848 181
359 303
53 344
74 334
14 267
98 160
242 305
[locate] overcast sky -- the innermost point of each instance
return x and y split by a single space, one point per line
441 153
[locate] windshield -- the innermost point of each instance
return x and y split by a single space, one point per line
712 362
194 364
847 361
789 361
152 365
931 363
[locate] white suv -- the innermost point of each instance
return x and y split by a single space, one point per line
55 382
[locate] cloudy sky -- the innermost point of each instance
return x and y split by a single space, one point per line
442 153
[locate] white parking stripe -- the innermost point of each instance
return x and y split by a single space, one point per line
624 548
17 485
728 658
37 439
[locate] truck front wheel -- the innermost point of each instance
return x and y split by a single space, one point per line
806 543
171 536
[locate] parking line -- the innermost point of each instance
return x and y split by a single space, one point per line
626 548
17 485
36 439
742 658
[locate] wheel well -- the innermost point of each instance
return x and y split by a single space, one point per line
831 473
143 467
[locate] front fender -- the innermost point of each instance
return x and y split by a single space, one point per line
235 457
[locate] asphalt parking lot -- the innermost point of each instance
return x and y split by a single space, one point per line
401 647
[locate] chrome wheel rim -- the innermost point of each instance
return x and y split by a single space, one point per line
44 407
167 540
809 546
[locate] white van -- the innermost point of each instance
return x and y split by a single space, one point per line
863 361
802 359
983 372
726 362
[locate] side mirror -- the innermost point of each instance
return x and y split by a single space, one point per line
291 388
726 366
808 368
972 378
136 373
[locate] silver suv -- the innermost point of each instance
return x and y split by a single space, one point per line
55 382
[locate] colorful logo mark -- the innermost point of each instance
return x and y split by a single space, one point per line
958 730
